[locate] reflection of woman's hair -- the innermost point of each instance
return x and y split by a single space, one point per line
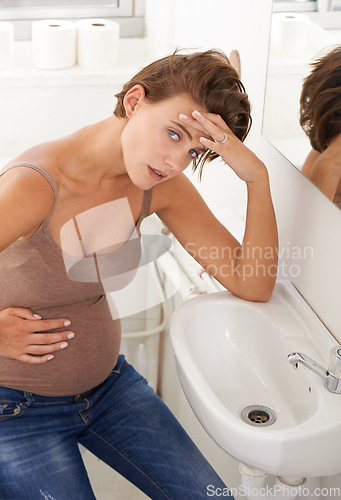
207 77
320 104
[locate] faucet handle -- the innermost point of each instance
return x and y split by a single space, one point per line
334 367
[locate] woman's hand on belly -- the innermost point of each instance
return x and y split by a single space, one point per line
22 336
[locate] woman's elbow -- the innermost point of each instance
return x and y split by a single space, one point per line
254 293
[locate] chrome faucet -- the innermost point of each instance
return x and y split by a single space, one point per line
331 377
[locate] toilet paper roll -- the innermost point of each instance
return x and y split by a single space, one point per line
97 43
289 34
160 26
6 45
53 44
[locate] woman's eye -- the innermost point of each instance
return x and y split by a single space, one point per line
174 135
193 153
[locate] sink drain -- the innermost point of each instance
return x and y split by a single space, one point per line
259 416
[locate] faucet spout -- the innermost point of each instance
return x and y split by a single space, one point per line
297 357
330 381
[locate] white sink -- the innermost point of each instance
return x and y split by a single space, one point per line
232 354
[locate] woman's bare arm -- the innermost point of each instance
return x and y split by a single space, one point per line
26 198
248 269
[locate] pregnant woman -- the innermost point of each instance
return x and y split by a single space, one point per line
80 200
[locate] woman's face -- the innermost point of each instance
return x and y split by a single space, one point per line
156 145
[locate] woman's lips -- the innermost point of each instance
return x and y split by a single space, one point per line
156 174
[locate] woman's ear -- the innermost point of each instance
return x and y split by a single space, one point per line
132 99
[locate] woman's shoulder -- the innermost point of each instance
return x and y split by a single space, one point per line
30 177
26 199
26 179
43 157
178 190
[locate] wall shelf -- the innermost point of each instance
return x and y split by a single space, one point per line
133 55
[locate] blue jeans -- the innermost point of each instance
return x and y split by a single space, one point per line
122 421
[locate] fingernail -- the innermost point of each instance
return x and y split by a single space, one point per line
203 139
37 316
196 113
71 335
67 323
63 345
184 117
50 357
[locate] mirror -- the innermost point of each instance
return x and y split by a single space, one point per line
297 39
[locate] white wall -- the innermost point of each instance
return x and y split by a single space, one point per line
306 219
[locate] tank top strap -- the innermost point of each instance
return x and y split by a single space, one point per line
43 172
147 198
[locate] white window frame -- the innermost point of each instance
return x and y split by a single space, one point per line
294 6
129 13
301 6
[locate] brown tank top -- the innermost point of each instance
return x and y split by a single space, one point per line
33 275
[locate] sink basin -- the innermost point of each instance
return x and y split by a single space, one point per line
232 363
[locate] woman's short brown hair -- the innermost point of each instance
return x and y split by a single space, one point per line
207 77
320 103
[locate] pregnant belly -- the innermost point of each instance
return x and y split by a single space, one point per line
85 363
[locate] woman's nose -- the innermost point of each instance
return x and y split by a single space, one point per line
178 162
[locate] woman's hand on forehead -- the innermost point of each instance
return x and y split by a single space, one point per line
220 139
192 122
211 124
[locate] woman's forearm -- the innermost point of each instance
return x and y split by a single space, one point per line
256 265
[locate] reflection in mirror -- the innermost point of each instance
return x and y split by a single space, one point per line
320 118
299 42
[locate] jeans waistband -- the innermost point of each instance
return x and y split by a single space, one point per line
38 399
